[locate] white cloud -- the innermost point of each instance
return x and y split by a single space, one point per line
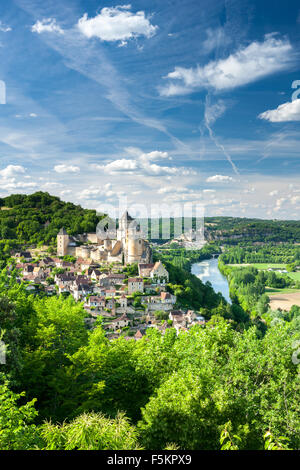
155 155
279 203
103 191
220 179
47 25
295 199
273 193
117 24
4 28
119 165
12 170
66 169
142 163
10 184
156 170
173 190
247 65
51 184
65 192
285 112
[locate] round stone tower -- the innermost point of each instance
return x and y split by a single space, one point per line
135 249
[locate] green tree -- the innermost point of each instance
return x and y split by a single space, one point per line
16 429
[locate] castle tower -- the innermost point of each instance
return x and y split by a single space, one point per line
124 224
135 249
62 242
134 244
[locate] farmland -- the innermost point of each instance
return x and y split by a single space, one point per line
284 301
266 266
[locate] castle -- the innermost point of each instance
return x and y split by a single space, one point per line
126 245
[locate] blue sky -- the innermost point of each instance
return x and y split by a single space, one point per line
165 102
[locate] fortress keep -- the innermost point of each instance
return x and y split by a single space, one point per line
126 245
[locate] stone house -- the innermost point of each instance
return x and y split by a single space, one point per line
110 292
135 284
176 315
145 269
167 298
120 322
63 288
123 301
159 274
81 291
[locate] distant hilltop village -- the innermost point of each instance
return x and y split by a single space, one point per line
125 246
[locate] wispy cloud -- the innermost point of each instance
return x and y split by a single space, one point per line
91 61
4 28
47 25
211 114
220 179
215 38
66 169
214 111
245 66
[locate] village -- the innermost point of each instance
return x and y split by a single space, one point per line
113 276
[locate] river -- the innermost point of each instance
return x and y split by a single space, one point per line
208 271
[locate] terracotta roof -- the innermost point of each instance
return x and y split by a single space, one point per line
95 298
121 318
157 264
165 295
138 335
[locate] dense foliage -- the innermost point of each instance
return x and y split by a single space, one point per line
233 230
38 218
268 253
174 389
231 384
183 258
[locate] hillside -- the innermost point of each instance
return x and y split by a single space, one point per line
234 230
39 216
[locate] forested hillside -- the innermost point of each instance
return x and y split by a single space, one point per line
83 391
39 216
232 382
234 230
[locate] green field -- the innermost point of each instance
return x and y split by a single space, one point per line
287 290
263 266
295 276
266 266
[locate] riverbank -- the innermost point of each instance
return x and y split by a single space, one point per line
208 270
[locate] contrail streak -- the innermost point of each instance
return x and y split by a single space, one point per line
214 139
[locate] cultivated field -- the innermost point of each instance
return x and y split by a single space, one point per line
265 267
284 300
